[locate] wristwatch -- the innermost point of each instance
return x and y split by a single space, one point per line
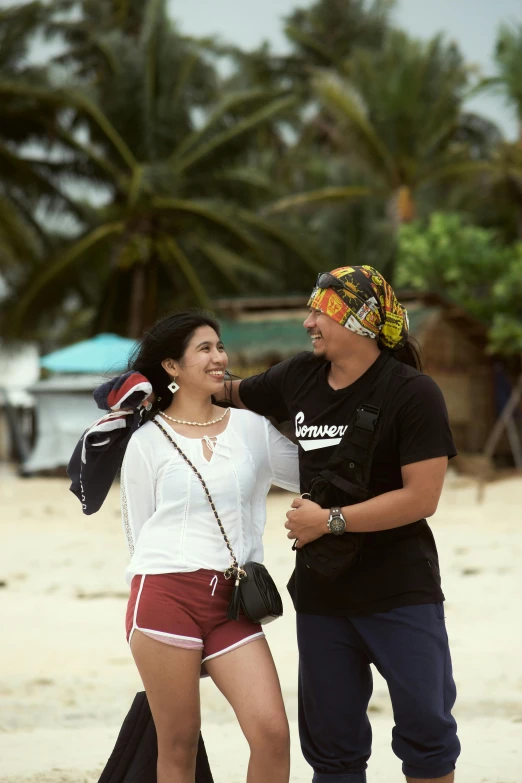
336 522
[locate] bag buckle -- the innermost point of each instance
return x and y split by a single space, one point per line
367 416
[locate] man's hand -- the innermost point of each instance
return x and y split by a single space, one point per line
306 521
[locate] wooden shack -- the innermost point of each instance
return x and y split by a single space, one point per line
259 332
453 346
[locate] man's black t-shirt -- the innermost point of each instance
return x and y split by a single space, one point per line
398 567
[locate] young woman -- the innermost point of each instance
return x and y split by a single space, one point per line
176 618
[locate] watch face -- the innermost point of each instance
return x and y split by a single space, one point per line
337 526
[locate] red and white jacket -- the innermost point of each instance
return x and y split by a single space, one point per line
98 456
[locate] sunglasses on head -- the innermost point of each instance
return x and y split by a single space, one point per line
326 280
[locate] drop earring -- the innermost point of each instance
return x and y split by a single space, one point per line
173 387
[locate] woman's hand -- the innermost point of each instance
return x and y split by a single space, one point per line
306 521
148 402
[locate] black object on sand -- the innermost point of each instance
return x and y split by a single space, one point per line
135 754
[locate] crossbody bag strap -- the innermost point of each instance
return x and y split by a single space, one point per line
366 414
369 419
235 567
357 446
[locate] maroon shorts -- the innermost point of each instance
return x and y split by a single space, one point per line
188 610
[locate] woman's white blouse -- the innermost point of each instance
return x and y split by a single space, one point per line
167 518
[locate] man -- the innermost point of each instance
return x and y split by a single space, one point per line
386 607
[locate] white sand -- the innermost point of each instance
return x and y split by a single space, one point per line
67 678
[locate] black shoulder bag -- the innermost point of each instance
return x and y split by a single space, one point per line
254 591
345 481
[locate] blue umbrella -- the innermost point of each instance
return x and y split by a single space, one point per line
103 354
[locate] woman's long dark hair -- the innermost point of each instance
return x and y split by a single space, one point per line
168 339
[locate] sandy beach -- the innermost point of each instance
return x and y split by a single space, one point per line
67 678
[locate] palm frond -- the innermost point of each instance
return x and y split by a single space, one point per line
459 170
249 123
81 101
68 98
27 177
54 268
285 238
508 56
208 213
310 43
101 162
314 196
337 95
230 264
229 103
178 256
244 177
16 233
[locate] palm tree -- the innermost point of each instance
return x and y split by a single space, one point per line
179 220
396 117
493 195
497 203
508 57
37 159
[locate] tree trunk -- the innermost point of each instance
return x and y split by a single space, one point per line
405 205
150 309
401 209
137 302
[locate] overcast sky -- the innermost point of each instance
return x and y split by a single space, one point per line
472 23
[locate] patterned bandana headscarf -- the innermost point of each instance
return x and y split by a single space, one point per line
366 305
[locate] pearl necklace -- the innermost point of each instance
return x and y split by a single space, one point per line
196 423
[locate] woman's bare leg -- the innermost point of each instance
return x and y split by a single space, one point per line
248 679
446 779
171 679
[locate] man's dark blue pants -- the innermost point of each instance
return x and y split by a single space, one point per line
409 647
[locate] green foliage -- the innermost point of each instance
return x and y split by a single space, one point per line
469 265
506 331
506 334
